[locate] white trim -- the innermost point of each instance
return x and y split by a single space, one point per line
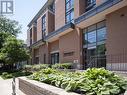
54 52
51 11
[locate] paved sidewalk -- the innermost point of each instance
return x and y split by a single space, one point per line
6 87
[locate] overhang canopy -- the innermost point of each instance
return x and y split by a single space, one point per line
98 13
52 36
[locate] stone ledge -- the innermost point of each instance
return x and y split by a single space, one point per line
32 87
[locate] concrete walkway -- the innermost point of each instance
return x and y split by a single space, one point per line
6 87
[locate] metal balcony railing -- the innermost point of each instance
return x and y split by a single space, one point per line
114 62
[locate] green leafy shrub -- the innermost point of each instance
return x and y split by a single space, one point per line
91 82
36 67
27 67
6 75
62 66
40 66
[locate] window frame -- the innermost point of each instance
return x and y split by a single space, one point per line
90 4
55 58
43 25
98 27
69 12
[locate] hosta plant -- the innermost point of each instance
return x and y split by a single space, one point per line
95 81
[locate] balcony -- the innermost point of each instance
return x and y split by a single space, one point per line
38 43
62 31
98 13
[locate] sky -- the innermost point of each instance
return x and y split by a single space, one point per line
24 11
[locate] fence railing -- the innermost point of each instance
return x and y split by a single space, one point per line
116 62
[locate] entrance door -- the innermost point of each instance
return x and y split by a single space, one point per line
90 53
95 56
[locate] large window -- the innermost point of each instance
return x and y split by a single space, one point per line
95 34
69 16
52 7
54 58
94 43
43 25
90 4
31 36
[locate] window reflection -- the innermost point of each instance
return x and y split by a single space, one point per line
94 43
101 34
69 11
91 37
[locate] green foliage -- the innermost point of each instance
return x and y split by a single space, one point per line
3 37
27 67
8 75
9 26
91 82
36 67
40 66
13 51
62 66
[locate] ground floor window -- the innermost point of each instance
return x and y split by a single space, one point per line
94 49
54 58
36 60
44 59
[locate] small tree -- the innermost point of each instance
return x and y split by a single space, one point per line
13 51
9 26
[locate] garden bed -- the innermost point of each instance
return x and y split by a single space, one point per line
95 81
32 87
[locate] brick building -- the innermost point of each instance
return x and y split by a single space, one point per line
86 32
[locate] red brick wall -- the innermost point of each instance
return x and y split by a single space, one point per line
117 32
98 2
79 7
54 46
70 43
59 13
34 34
43 49
39 28
50 22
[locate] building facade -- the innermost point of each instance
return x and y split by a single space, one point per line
90 33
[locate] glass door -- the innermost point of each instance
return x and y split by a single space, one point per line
90 54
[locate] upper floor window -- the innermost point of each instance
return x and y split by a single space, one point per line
69 9
43 25
95 34
90 4
31 36
52 7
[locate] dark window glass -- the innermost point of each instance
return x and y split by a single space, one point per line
69 11
90 4
52 7
43 25
54 58
44 58
37 60
30 36
94 45
101 49
86 39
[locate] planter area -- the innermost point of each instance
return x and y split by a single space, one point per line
32 87
95 81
